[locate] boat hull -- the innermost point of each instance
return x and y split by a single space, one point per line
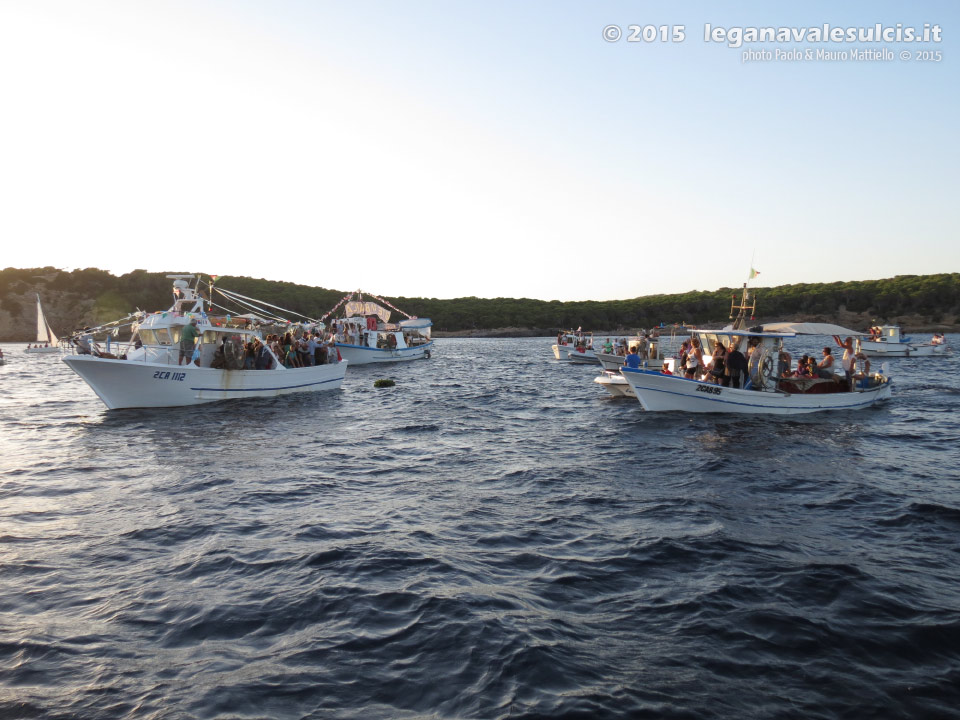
41 351
609 361
360 355
615 384
662 393
569 352
131 384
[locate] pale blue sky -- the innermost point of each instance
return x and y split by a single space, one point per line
492 149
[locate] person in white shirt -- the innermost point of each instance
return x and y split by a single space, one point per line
849 360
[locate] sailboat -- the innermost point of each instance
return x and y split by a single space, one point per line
44 334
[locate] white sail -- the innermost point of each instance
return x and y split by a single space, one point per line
44 333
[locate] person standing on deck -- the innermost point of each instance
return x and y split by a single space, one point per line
848 361
188 338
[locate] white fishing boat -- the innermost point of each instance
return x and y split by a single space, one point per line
889 342
364 333
575 346
46 339
150 370
764 390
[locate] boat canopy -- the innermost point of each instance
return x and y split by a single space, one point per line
805 328
415 323
747 333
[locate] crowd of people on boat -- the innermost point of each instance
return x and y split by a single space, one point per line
292 350
726 365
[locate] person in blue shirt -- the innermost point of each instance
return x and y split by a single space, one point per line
312 346
633 360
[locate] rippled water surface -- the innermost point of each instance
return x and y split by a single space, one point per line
493 537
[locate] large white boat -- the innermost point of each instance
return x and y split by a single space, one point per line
764 390
147 371
364 333
46 339
889 341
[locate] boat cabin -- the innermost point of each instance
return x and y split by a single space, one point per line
886 334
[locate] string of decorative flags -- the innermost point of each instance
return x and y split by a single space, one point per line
335 307
380 299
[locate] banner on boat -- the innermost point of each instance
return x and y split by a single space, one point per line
356 307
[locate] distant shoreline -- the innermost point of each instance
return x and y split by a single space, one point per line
511 332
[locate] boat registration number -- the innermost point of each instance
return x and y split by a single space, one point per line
712 389
168 375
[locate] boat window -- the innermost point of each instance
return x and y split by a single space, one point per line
210 336
163 337
174 335
147 337
708 340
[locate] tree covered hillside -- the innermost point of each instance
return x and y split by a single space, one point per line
91 296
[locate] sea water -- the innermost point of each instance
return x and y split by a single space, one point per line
492 537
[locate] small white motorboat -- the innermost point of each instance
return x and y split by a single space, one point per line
653 351
615 384
575 346
889 342
46 339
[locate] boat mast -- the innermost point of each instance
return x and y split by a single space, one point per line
740 321
184 295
